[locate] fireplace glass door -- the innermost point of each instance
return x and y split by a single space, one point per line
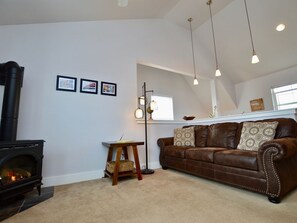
17 169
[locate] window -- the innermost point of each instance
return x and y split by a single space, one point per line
284 97
164 110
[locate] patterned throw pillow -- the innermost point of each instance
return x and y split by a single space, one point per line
254 134
184 137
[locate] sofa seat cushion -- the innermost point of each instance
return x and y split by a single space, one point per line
237 158
202 154
176 151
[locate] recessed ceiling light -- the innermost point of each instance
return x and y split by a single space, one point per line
280 27
123 3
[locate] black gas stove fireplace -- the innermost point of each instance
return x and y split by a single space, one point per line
20 160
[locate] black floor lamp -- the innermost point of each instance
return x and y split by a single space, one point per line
139 113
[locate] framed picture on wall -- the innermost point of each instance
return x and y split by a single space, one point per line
108 88
257 104
88 86
65 83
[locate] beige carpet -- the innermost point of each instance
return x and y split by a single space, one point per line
164 197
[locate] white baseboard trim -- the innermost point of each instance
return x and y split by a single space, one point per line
82 176
155 165
72 178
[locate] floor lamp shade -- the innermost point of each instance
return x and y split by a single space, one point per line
138 113
141 100
153 105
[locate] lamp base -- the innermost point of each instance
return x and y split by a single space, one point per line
147 171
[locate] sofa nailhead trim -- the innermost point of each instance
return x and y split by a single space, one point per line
274 171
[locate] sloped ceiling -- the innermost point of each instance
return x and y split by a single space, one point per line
48 11
276 50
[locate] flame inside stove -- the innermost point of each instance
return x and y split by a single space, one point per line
12 175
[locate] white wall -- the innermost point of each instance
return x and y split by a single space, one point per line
261 88
74 124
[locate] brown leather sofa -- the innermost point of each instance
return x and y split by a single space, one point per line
272 170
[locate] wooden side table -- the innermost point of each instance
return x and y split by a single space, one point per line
122 146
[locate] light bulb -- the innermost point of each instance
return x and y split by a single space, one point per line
255 59
218 73
195 81
280 27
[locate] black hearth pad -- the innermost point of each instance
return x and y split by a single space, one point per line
16 205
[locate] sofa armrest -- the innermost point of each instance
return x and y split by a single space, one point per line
277 158
162 142
279 149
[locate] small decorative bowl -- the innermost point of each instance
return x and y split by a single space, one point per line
188 118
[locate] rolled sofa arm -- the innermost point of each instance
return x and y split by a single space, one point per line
277 158
279 148
162 143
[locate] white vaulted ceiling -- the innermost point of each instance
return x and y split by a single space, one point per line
276 50
46 11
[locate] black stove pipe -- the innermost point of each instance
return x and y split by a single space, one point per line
11 75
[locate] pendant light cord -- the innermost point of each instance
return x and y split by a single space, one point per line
213 35
248 19
193 54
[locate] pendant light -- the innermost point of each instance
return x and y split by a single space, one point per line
195 77
255 58
218 72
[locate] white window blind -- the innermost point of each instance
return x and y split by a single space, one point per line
285 97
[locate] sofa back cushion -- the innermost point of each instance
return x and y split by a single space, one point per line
222 135
287 127
201 132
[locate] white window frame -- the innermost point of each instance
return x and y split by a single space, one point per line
277 105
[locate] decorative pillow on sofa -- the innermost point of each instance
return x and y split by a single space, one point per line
254 134
184 137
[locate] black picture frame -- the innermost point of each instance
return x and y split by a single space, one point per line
109 89
88 86
66 83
